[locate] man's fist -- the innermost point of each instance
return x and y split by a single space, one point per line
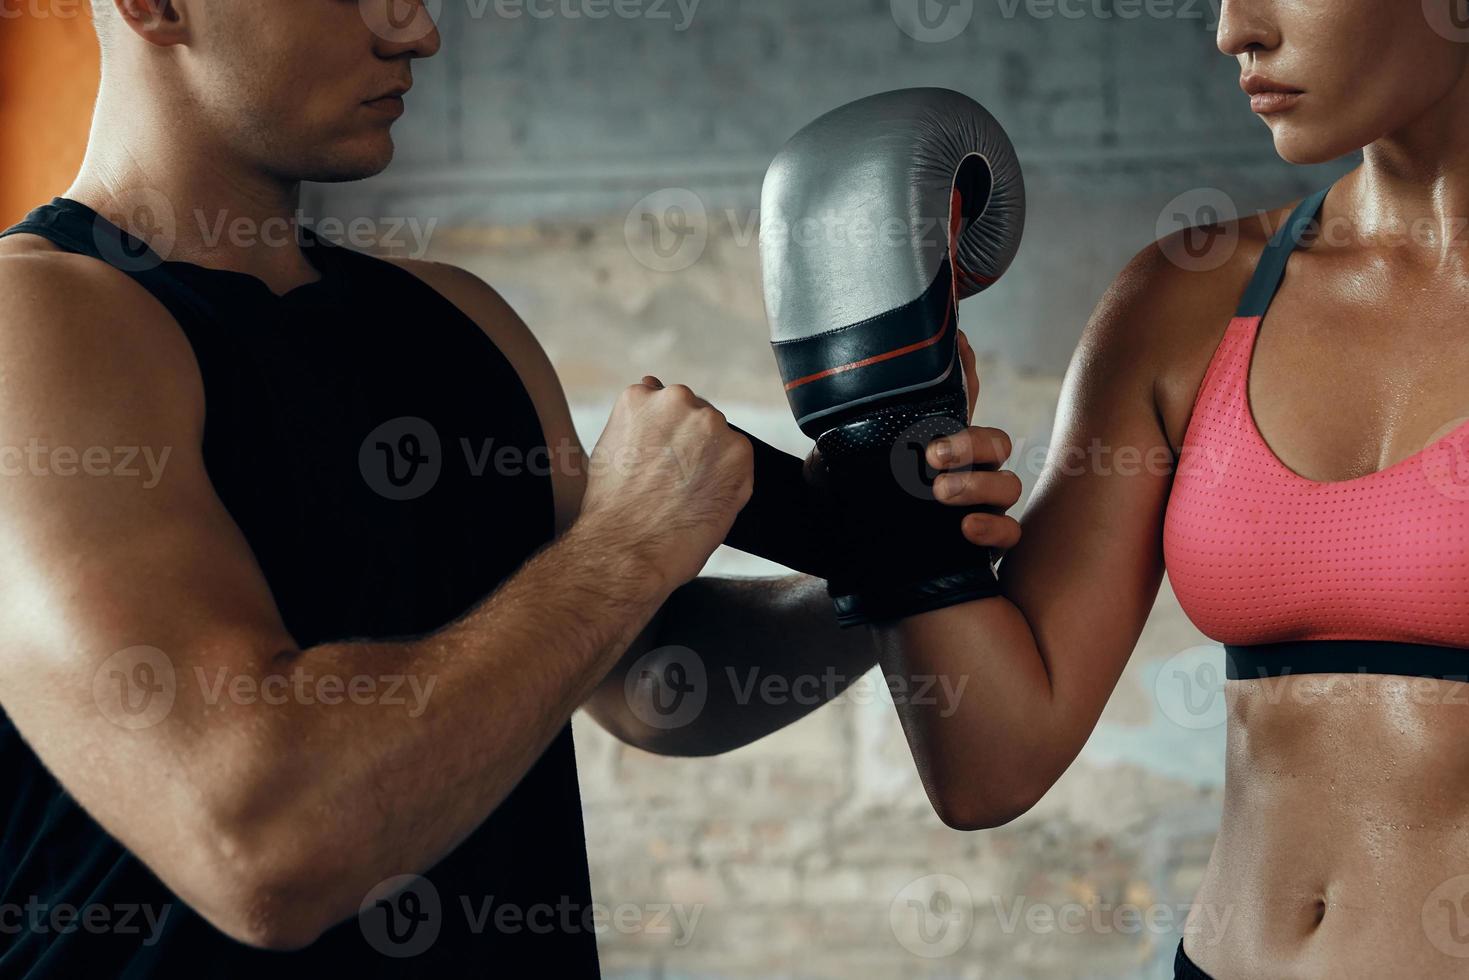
667 478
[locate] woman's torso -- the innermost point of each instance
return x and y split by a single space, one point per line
1345 812
1344 845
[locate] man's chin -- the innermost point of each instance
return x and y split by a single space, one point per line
367 158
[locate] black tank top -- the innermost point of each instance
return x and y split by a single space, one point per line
351 429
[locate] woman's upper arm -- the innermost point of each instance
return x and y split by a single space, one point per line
1039 662
1089 563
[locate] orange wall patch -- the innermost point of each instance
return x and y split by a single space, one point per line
49 71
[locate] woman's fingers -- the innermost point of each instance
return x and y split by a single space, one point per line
971 371
992 530
975 446
978 488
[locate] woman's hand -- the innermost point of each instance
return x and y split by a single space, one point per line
969 463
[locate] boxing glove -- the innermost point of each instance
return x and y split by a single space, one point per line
876 220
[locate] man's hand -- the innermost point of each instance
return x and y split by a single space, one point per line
671 475
971 476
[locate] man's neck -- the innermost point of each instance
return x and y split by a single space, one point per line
190 205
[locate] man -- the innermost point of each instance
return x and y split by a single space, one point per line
210 765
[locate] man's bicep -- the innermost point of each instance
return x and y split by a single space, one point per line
126 584
105 559
131 617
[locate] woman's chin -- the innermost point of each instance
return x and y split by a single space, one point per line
1299 145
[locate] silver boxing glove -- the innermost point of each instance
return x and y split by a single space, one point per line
876 219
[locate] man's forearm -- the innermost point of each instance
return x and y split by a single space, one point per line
403 791
755 655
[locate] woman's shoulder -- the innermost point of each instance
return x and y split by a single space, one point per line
1197 272
1166 311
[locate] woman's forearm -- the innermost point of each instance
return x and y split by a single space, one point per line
980 715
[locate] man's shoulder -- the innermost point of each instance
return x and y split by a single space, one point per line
33 267
483 304
28 244
459 286
480 302
75 320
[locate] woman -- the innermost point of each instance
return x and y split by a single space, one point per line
1304 476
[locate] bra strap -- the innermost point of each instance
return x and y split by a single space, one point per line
1253 662
1271 268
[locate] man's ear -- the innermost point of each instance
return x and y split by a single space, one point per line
160 22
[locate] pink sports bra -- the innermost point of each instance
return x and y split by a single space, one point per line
1295 575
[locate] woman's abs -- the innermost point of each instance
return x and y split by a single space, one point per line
1344 846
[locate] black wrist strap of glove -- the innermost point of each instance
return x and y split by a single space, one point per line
902 552
861 515
885 603
782 522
